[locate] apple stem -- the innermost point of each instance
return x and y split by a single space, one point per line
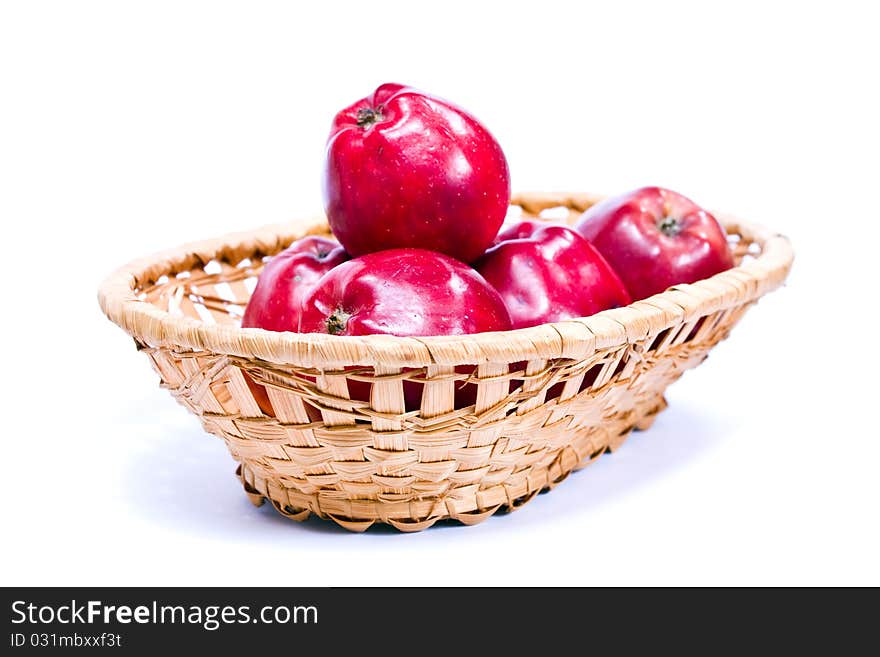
669 226
367 116
337 321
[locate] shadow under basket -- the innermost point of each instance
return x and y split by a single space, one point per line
321 424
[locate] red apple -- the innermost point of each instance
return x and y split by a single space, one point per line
283 283
286 279
547 272
406 169
655 238
404 292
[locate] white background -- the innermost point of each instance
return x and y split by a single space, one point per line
130 127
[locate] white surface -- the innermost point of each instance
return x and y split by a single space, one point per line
127 128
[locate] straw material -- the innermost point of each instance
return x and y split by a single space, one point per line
550 399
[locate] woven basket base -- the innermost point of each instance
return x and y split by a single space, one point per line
469 505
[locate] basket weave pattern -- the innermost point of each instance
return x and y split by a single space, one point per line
550 399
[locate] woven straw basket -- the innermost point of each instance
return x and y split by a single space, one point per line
550 399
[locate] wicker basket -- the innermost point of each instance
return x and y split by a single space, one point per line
550 399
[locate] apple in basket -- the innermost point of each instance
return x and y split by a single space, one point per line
284 281
407 169
549 273
407 293
655 238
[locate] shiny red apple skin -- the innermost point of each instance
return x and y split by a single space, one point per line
656 238
546 272
403 292
404 169
285 281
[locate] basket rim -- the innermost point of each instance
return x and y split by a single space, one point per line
575 338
